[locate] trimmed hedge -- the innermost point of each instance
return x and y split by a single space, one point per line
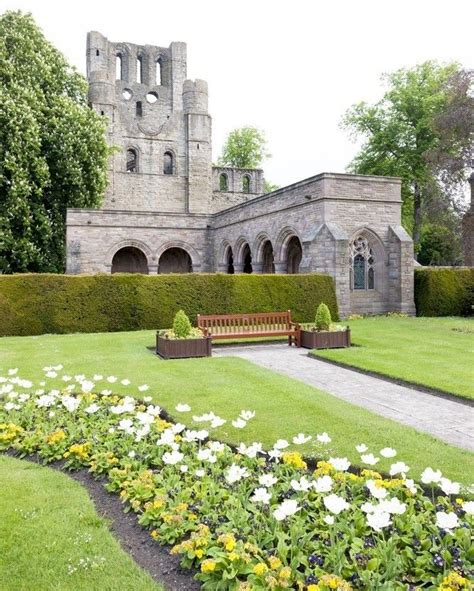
32 304
444 291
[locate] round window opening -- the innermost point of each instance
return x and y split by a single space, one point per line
127 94
152 97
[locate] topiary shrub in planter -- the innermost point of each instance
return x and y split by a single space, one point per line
323 334
182 340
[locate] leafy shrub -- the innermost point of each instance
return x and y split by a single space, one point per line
323 317
181 325
444 291
41 303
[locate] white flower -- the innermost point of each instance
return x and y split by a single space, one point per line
111 379
251 451
341 464
58 367
183 407
45 401
301 438
143 388
207 416
11 406
97 377
329 519
281 444
323 484
216 446
145 418
388 452
126 425
132 454
323 438
172 457
51 414
125 382
302 485
206 455
93 408
177 428
142 432
23 397
378 520
111 430
430 476
361 448
87 386
410 484
12 372
106 392
184 468
236 473
217 422
153 410
335 503
261 495
287 508
246 415
267 480
239 423
368 507
446 520
369 459
398 468
147 399
392 506
66 378
70 403
468 507
51 374
449 487
166 438
200 473
379 492
275 454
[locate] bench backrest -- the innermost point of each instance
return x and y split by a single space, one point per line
248 323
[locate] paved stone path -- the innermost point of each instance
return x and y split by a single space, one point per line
447 420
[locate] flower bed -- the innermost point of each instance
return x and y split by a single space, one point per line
245 518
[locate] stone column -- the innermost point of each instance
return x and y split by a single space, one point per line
257 268
238 268
281 268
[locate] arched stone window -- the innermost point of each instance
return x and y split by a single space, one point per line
168 163
362 264
223 182
175 260
132 160
229 259
159 72
267 258
119 69
294 254
140 69
246 183
139 109
247 259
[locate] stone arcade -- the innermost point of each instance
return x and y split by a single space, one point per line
167 209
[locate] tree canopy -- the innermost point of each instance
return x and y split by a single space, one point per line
244 148
422 130
53 153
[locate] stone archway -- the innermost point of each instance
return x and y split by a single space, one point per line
229 260
175 260
294 254
247 259
268 262
129 260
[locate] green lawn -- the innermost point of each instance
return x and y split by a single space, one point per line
433 352
284 406
48 525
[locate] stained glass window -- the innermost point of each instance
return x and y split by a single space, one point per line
359 272
362 265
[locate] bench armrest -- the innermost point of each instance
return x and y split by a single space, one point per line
295 324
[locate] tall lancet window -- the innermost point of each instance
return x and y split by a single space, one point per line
362 265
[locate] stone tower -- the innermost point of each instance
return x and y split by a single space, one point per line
158 122
468 230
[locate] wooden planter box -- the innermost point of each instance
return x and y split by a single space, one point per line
312 339
181 348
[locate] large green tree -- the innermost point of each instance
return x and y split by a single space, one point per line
422 130
53 152
245 147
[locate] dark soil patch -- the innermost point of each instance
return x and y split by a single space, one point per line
156 559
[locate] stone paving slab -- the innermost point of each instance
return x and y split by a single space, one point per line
445 419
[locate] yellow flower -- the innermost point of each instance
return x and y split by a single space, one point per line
208 566
285 573
314 588
274 562
55 437
154 534
233 556
199 553
454 582
260 569
294 459
228 541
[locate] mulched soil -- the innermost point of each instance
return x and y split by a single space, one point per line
133 538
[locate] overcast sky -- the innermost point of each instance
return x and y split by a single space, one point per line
291 68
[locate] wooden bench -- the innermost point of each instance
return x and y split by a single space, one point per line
238 326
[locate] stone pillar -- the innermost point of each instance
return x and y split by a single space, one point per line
467 225
238 268
257 268
281 268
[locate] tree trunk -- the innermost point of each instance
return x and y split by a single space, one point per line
417 218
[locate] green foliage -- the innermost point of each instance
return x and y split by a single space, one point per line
269 187
37 304
439 245
244 148
422 131
444 292
181 325
323 317
53 152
